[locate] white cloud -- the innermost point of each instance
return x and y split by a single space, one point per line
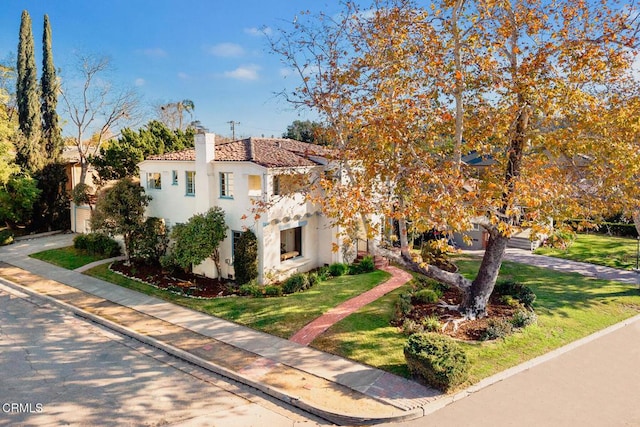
248 72
154 52
183 76
285 72
140 82
258 32
227 50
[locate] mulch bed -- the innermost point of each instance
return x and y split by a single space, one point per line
188 283
467 330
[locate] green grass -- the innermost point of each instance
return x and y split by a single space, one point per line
69 257
616 252
569 307
281 316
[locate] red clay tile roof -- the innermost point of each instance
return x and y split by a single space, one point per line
267 152
188 154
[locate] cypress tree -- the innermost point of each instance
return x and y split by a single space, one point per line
29 153
51 135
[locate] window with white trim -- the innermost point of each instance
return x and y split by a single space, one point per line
154 180
226 185
190 183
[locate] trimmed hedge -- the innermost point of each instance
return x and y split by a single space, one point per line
97 244
619 229
437 360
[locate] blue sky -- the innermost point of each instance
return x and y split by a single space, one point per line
209 51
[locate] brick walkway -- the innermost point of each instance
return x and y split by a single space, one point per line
316 327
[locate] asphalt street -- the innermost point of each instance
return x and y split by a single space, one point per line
57 369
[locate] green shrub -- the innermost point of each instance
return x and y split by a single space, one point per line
323 273
431 324
366 265
410 327
80 242
522 293
314 279
245 258
273 291
426 296
149 243
296 283
498 328
523 318
251 289
403 305
510 301
437 360
97 244
6 237
338 269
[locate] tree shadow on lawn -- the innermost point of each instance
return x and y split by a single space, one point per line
556 291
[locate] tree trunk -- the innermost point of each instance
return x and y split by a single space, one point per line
215 256
474 303
404 240
84 169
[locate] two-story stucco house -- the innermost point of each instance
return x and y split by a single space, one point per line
293 235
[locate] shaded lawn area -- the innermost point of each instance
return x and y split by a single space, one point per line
69 257
569 307
280 316
616 252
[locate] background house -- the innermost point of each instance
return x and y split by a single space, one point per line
239 176
80 214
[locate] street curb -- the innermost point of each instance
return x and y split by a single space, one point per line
438 404
337 418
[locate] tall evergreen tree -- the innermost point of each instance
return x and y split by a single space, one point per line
51 135
30 155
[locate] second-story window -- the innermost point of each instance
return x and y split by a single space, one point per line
255 185
226 184
190 183
154 180
174 177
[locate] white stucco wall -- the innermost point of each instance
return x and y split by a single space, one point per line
284 212
171 201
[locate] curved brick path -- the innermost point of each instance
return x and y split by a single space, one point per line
316 327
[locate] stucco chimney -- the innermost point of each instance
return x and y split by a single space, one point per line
205 153
205 147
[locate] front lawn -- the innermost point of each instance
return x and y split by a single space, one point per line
281 316
69 257
569 307
616 252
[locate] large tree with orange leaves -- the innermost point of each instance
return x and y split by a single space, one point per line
407 89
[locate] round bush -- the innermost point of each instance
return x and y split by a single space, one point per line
338 269
497 328
437 360
523 318
426 296
295 283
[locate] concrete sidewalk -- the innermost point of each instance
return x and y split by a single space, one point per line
334 388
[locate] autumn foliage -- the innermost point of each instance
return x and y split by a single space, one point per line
544 89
